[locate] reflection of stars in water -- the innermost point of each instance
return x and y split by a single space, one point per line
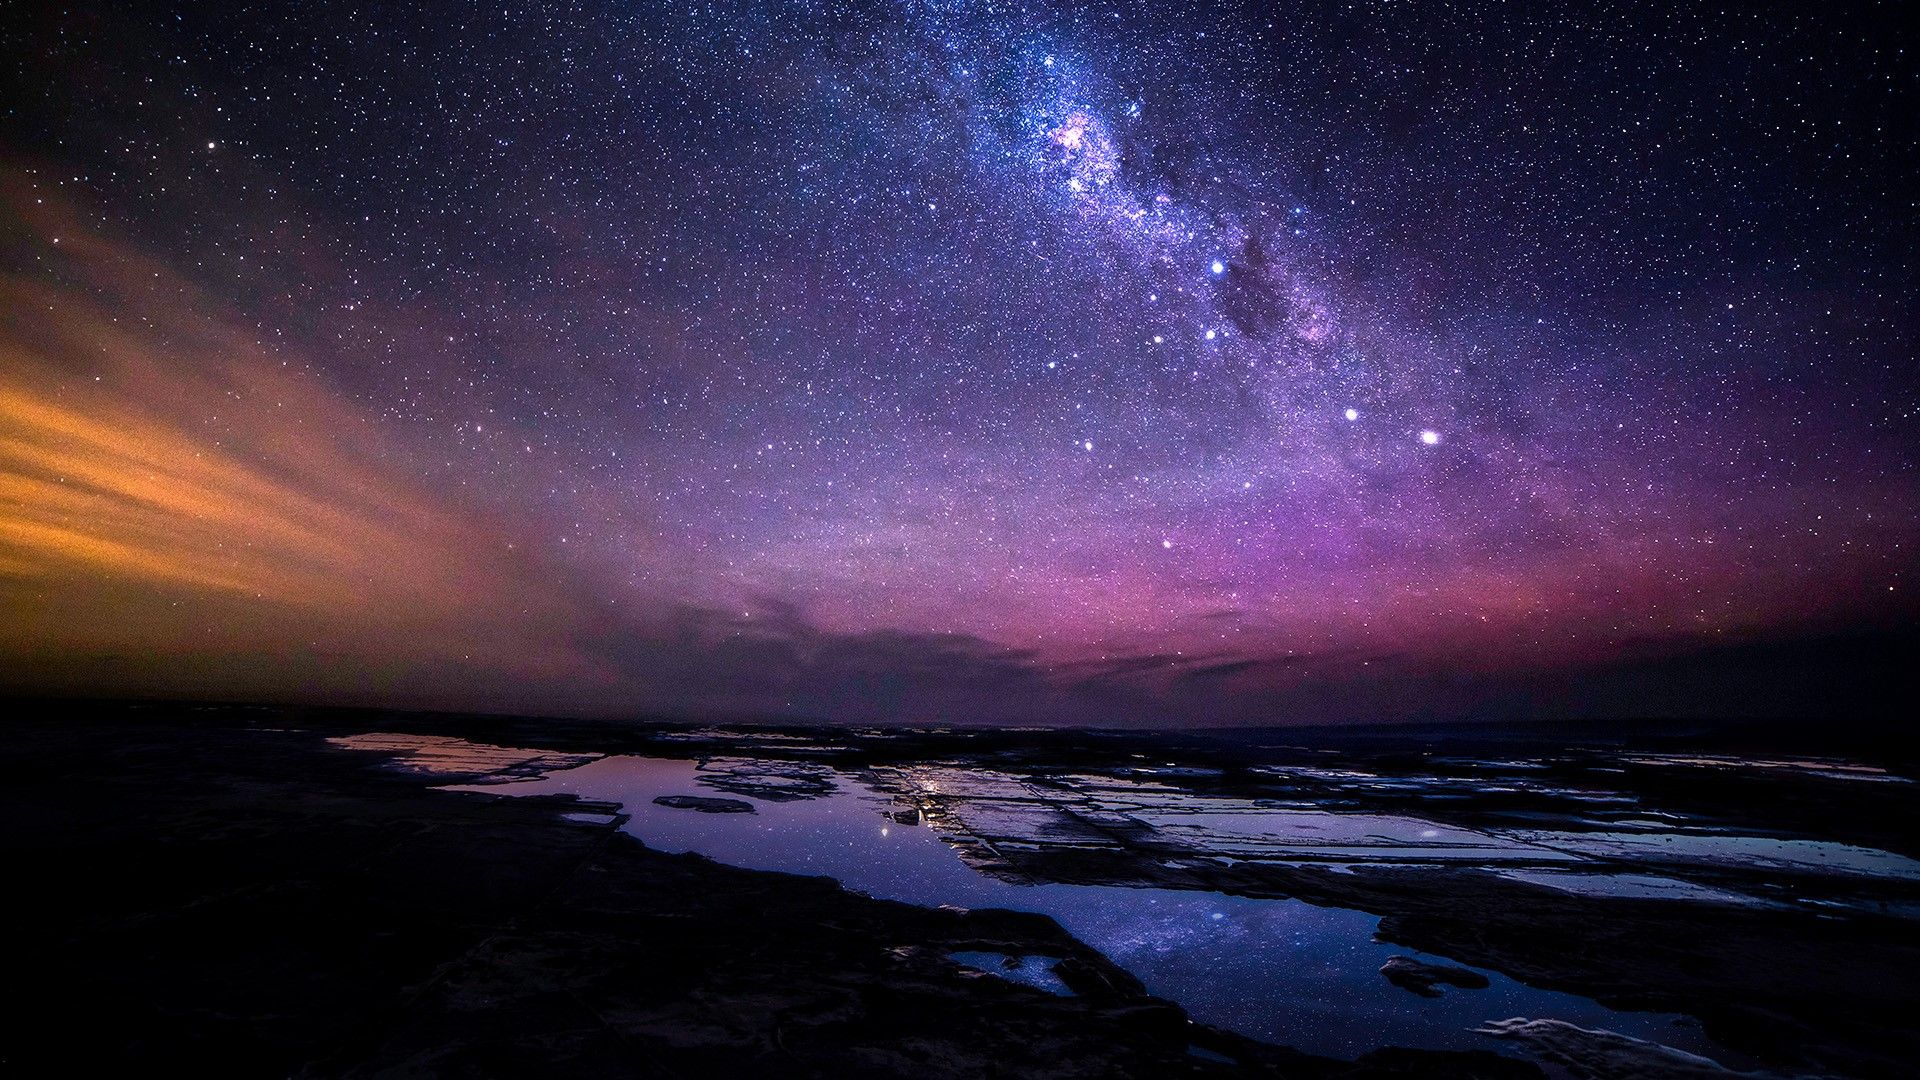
1270 968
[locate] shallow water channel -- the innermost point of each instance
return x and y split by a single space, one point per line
1284 971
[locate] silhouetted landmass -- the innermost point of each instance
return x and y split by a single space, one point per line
235 893
210 893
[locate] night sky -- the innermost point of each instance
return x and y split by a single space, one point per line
1010 362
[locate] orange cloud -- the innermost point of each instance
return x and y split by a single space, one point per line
173 494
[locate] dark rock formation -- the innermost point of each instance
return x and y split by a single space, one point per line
1426 979
767 778
214 899
1583 1053
705 804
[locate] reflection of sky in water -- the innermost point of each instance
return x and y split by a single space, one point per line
1034 971
1280 970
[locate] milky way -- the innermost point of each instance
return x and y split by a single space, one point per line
951 361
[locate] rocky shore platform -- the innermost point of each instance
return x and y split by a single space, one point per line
218 892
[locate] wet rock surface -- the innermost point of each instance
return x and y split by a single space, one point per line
1604 1055
705 805
1427 979
771 779
227 895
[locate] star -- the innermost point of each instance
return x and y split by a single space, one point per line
763 302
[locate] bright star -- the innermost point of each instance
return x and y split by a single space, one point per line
1431 438
1353 414
1219 267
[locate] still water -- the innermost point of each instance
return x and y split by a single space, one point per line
1279 970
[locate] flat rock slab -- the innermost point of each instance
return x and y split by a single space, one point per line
1426 979
184 862
705 804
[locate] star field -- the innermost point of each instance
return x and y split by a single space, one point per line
980 360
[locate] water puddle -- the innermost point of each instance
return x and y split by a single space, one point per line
1034 971
1279 970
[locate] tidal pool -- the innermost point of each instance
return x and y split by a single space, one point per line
1284 971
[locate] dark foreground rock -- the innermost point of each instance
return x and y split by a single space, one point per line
1582 1053
193 897
704 804
1426 979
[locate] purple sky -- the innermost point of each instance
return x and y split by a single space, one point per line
955 362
